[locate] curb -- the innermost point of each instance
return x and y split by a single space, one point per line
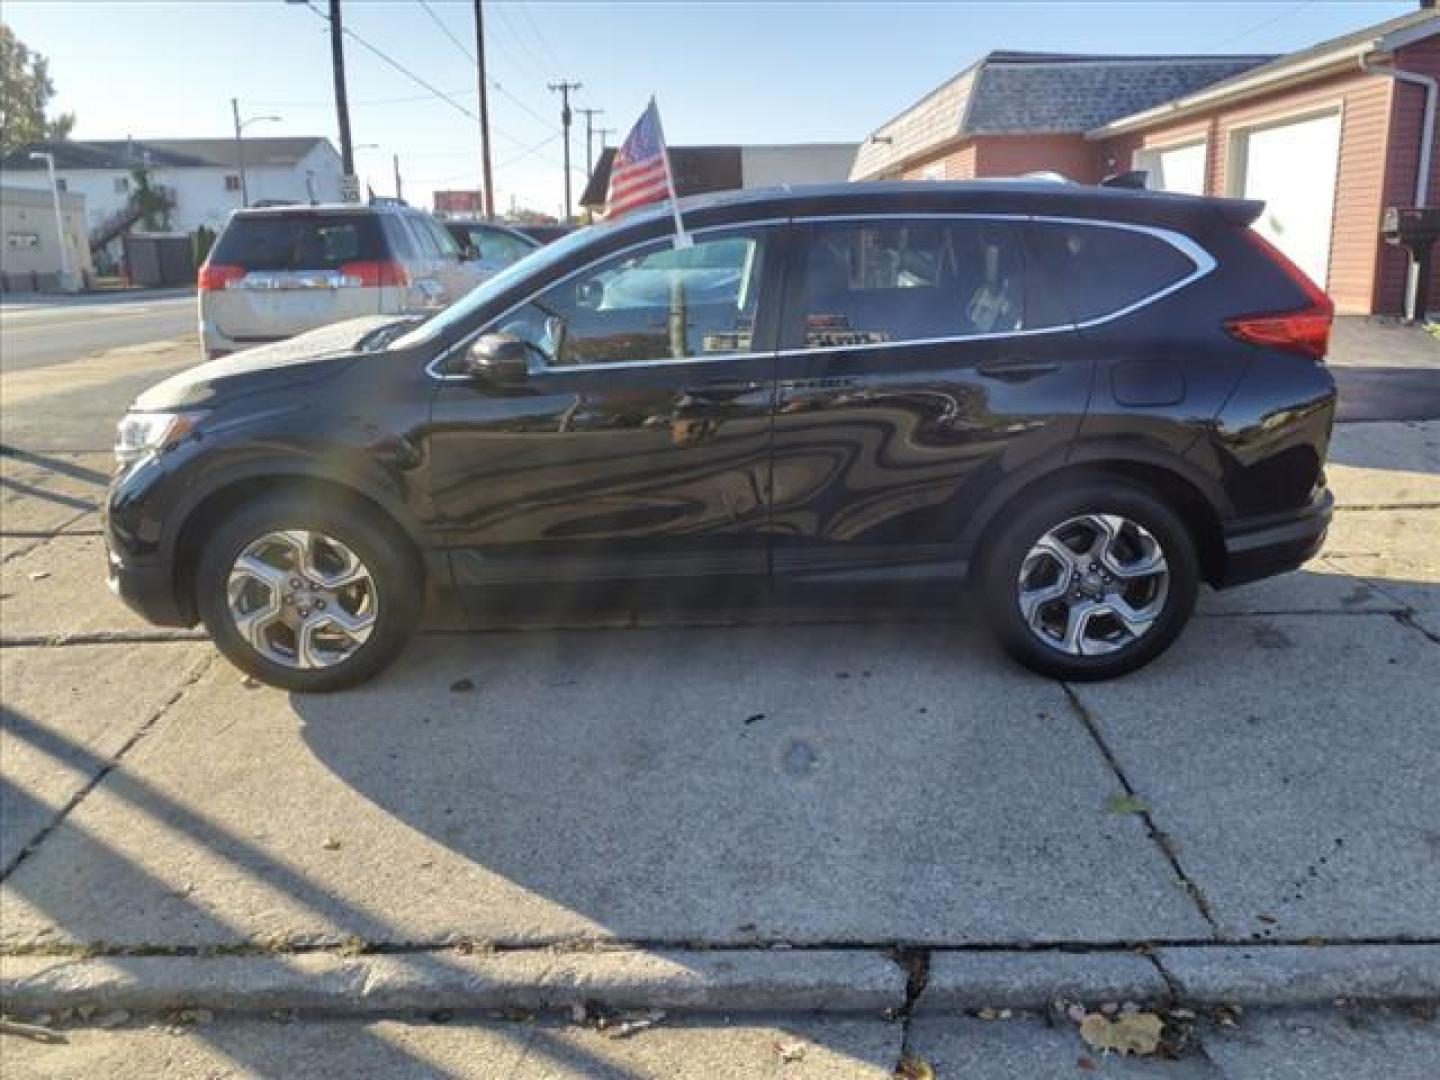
1302 975
1034 980
688 980
723 980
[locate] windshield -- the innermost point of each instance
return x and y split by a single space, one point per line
534 263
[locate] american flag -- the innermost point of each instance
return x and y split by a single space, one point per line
639 173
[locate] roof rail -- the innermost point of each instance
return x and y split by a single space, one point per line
1132 178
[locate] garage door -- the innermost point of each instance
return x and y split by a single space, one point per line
1177 168
1293 168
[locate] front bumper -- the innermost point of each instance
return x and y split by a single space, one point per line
1261 547
149 591
137 567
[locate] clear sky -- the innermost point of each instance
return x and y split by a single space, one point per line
723 72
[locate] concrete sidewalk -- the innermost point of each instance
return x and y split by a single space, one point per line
1332 1044
822 808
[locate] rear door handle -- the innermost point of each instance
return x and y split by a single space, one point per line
1016 368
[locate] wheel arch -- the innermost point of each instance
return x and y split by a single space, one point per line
1195 497
222 499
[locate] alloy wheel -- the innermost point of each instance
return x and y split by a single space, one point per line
1092 585
302 599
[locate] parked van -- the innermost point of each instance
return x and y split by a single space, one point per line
279 271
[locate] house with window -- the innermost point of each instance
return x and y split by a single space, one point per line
199 179
1328 137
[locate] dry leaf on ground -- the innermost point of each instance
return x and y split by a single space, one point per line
913 1067
1129 1033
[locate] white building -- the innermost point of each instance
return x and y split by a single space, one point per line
30 260
202 176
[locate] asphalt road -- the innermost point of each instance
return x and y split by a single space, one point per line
40 334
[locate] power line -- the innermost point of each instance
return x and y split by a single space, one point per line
401 68
1262 25
540 37
495 83
544 68
446 31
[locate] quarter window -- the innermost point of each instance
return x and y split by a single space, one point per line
869 284
1102 269
658 303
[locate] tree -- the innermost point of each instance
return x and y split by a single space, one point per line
25 91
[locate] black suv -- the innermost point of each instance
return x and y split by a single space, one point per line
1085 400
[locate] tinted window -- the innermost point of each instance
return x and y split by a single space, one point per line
1101 270
399 237
299 241
496 245
658 303
898 281
443 240
423 239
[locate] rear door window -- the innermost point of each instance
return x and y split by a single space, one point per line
299 241
870 283
1102 269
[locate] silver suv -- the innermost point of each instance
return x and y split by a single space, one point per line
279 271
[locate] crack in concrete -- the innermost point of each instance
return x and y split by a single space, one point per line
43 538
1156 834
1407 618
914 958
916 963
106 769
1363 507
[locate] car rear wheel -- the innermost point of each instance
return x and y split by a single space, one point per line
307 596
1091 581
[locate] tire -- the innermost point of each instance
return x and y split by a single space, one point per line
384 605
1081 514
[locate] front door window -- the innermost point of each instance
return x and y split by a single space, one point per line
656 303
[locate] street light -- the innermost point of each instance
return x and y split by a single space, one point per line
240 126
49 159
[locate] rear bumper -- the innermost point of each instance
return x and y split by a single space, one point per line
1261 547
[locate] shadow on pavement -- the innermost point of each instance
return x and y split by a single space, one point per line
1387 393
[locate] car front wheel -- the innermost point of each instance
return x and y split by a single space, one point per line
1091 581
307 596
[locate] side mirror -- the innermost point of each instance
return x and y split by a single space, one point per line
499 358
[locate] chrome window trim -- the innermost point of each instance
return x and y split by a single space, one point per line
432 367
1204 264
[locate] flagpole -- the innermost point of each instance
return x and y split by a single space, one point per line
682 238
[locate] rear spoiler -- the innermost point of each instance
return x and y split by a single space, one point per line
1235 211
1239 211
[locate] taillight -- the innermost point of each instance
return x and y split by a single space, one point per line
375 272
1305 330
219 275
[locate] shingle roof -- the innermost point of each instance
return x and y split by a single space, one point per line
1317 58
170 153
1019 92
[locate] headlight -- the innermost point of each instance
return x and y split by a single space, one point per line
142 433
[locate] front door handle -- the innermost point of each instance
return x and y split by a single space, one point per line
1016 368
717 393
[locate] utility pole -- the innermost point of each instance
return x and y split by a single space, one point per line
342 102
397 176
590 115
564 88
488 191
603 132
240 126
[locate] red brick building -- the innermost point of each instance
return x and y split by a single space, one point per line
1328 137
